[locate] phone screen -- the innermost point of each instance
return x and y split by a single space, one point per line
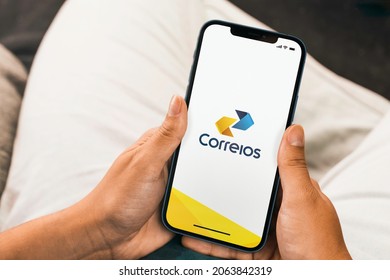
241 100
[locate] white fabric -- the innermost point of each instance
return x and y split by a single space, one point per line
360 189
105 73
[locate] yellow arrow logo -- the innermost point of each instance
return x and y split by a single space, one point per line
223 125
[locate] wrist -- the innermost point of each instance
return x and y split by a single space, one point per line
83 234
68 234
107 238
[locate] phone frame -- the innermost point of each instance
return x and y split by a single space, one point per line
256 34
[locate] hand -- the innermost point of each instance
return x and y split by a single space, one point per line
307 226
120 218
127 200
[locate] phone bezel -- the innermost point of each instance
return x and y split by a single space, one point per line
249 32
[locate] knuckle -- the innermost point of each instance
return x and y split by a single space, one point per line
309 194
297 162
168 132
312 193
165 130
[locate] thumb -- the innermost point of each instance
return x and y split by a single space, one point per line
168 136
294 176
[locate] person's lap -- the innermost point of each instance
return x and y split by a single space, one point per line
105 73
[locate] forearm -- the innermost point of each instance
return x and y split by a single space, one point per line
68 234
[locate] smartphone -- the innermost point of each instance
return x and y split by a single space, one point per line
241 97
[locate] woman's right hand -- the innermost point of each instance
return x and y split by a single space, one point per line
307 225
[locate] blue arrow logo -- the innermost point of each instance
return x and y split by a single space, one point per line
224 123
245 121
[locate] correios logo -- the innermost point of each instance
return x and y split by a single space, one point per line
224 126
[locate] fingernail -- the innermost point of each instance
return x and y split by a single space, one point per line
296 136
175 106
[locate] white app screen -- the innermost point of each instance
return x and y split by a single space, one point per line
240 101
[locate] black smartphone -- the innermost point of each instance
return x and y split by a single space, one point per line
241 97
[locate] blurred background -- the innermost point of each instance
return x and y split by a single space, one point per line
350 37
